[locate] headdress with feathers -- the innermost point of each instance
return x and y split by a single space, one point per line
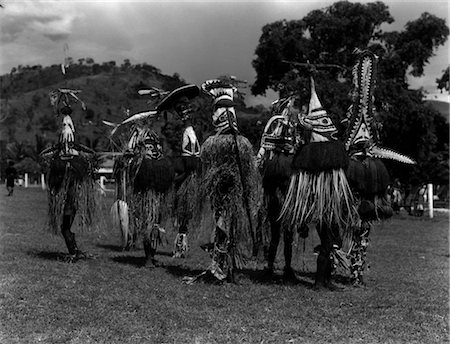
223 94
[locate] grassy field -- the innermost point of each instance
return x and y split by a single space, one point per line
112 298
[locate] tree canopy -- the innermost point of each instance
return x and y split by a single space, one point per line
328 37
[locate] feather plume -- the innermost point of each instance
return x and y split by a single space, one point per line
384 153
119 213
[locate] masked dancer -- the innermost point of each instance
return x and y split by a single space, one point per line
144 179
186 163
274 161
366 172
70 168
318 191
231 183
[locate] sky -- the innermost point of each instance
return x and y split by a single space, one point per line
199 40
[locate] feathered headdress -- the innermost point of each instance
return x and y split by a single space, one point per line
223 94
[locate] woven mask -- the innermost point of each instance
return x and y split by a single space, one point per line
148 140
278 132
317 119
224 115
183 108
179 100
360 114
358 138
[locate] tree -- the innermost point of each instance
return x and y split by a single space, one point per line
442 82
329 37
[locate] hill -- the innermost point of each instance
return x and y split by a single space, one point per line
439 102
28 123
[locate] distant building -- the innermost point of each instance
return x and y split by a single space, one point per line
106 168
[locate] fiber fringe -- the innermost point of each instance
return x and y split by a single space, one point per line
186 196
323 197
221 189
85 198
147 205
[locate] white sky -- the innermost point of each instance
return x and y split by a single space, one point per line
199 40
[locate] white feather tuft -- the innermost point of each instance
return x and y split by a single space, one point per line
119 213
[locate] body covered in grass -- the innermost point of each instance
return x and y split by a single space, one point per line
318 190
144 187
186 163
70 174
231 184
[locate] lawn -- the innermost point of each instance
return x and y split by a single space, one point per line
112 298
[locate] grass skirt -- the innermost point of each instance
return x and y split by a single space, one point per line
323 197
72 190
221 186
147 187
186 196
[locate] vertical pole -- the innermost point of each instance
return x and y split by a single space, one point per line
26 180
43 181
102 182
430 200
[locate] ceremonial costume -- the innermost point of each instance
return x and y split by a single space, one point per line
186 164
318 190
274 161
366 173
70 169
230 182
144 179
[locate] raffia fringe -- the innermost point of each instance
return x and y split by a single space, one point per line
323 197
87 202
221 188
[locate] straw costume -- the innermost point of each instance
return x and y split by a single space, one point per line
70 168
318 190
186 163
230 182
144 181
274 161
366 173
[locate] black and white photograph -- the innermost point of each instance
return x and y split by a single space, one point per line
214 172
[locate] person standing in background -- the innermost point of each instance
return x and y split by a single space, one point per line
11 175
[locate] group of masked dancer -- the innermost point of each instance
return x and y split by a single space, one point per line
305 174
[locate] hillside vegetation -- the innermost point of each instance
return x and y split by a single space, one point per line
28 123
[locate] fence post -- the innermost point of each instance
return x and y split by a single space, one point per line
430 200
43 181
26 180
102 182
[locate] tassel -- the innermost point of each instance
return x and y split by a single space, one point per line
119 213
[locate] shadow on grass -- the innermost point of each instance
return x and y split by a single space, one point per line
130 260
181 270
115 248
49 255
164 253
133 260
61 256
199 275
263 277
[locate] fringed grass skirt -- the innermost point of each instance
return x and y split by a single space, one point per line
74 197
323 197
234 196
146 186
